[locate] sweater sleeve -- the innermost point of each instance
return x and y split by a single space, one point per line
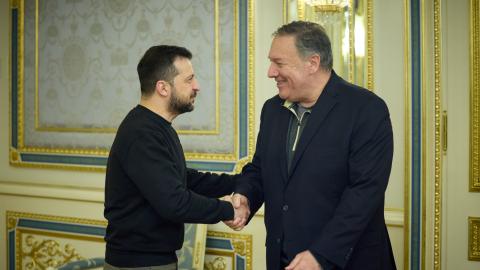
210 184
151 166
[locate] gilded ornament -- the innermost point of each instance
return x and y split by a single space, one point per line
218 263
14 156
13 4
475 96
17 215
239 247
11 222
438 139
474 238
120 7
45 254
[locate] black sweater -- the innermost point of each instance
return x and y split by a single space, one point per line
150 193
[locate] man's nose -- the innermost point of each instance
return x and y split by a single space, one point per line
272 71
196 85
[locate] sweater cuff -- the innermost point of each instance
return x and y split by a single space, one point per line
227 210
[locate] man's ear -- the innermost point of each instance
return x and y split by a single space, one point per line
162 88
314 63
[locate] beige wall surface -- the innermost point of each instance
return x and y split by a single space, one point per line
457 202
389 77
80 193
389 83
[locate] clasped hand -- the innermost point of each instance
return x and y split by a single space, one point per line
242 212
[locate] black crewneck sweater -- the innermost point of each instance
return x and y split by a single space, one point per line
150 193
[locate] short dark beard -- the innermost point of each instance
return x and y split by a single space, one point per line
177 106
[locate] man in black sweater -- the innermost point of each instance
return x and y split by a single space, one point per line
149 191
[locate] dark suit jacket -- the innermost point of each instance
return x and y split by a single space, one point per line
332 201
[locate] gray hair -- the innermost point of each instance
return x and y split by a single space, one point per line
310 38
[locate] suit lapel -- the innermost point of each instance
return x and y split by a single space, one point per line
320 111
280 127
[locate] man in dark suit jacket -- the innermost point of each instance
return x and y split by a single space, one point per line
322 162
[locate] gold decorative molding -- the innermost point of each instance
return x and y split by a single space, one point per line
232 236
251 78
14 156
369 55
474 238
333 8
218 263
38 248
23 246
241 246
20 71
212 156
474 96
233 156
88 168
437 224
11 222
351 41
301 10
240 164
65 151
14 3
46 253
12 215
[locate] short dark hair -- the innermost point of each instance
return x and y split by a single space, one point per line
157 64
310 38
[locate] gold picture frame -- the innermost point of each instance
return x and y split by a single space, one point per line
474 96
38 241
79 142
473 238
228 251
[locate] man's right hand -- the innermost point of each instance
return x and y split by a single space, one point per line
242 212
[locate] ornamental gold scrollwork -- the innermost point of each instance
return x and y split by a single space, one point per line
239 247
474 239
11 222
45 254
14 156
217 264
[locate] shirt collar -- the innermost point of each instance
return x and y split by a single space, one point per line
288 104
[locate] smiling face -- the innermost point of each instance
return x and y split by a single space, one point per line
185 87
288 69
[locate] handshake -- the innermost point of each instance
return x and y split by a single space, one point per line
242 211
